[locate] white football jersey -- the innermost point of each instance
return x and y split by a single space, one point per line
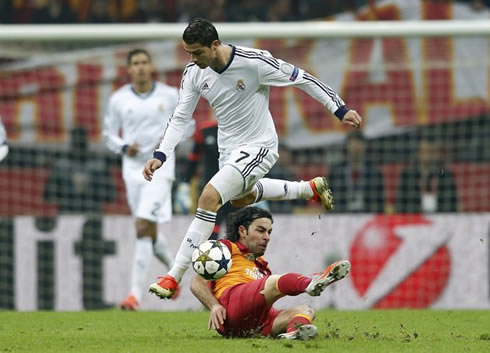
142 118
239 95
3 132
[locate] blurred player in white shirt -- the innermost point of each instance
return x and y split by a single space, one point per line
141 110
235 81
4 148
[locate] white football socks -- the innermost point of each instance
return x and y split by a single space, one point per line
141 262
199 231
276 189
161 251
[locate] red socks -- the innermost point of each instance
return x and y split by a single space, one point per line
297 321
293 283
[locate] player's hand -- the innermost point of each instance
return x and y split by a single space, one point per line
133 150
352 118
217 317
150 167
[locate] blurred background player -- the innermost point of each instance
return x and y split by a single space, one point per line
141 110
4 148
236 82
427 185
241 302
357 182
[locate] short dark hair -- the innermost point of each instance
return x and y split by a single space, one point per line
200 31
243 217
136 52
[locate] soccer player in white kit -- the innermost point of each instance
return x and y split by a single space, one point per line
4 147
235 81
141 110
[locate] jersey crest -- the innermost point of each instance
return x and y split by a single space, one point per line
240 85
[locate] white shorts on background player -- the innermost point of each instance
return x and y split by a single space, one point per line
244 167
151 201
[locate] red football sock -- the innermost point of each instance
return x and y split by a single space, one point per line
297 321
293 283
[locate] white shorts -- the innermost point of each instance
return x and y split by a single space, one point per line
148 200
240 170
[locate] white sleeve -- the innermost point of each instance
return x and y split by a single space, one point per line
180 120
276 72
3 133
112 124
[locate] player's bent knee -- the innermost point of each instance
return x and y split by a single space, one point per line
210 199
270 291
145 228
244 201
302 310
307 310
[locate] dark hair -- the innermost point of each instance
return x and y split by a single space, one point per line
243 217
200 31
136 52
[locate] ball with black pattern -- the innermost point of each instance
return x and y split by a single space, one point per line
211 259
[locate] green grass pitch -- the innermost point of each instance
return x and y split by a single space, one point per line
339 331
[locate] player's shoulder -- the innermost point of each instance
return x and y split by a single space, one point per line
165 89
121 91
190 68
246 51
257 57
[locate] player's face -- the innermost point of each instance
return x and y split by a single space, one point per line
257 236
201 55
140 68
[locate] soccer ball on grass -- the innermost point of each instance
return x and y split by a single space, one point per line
211 259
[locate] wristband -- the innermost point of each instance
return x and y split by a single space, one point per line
160 156
339 113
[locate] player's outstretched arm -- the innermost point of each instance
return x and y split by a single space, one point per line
150 167
352 118
201 290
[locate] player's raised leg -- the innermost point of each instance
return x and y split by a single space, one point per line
316 189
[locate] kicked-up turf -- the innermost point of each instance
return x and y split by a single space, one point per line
339 331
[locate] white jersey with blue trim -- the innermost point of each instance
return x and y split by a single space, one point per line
239 95
142 118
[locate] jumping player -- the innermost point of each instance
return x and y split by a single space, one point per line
235 80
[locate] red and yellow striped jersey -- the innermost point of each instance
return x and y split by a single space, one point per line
245 268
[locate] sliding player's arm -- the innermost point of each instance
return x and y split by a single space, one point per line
201 290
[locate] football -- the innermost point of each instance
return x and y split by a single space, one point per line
211 259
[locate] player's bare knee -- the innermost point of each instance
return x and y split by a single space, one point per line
145 228
244 201
308 311
270 291
303 310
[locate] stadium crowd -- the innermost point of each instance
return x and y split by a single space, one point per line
144 11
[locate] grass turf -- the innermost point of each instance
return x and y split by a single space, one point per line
339 331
